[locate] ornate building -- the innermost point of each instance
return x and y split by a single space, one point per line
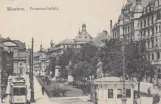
15 59
141 19
82 38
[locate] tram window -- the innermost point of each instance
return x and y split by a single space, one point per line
22 91
16 91
119 93
128 93
110 93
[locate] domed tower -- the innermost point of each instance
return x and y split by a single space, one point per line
84 27
51 43
138 7
137 13
41 47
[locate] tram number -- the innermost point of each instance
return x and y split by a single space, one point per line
19 99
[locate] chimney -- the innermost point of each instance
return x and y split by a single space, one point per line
110 27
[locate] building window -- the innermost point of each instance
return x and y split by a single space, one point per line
148 44
110 93
152 29
149 56
152 20
156 29
141 24
152 56
137 24
159 29
119 93
148 22
148 32
145 23
128 93
152 43
158 55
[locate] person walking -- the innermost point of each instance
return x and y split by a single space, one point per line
136 99
43 89
156 99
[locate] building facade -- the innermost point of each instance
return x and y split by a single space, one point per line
82 38
15 58
141 19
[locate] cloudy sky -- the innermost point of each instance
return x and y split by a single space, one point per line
59 24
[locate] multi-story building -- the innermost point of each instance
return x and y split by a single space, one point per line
141 19
41 61
82 38
15 59
99 40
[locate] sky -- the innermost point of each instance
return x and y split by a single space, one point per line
44 25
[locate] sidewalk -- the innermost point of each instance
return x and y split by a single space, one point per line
40 99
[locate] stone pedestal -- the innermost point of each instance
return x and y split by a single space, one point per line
57 74
70 77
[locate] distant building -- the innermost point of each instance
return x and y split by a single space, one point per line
82 38
15 58
41 61
100 39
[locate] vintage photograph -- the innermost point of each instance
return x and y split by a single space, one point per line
80 51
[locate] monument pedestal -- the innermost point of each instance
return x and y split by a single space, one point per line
57 74
70 77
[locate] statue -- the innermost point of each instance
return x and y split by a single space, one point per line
99 69
69 67
57 60
57 69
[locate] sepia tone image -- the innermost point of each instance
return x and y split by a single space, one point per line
80 51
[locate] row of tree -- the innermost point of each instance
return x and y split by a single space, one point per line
84 60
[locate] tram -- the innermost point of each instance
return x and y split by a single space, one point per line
18 91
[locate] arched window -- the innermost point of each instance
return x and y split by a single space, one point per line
152 56
158 55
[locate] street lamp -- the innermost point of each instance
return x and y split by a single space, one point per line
32 99
29 49
123 71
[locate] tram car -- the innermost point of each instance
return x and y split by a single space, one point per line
18 91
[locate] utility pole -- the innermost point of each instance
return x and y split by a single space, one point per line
32 99
30 66
123 72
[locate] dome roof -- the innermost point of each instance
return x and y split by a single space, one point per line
138 8
67 41
84 25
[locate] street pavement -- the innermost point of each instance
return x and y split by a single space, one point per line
143 88
72 100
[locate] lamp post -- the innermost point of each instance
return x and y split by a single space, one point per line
32 99
29 49
123 71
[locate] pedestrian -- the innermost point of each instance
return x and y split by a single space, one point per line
149 91
157 98
136 99
43 89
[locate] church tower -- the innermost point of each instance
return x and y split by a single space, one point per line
51 44
84 27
